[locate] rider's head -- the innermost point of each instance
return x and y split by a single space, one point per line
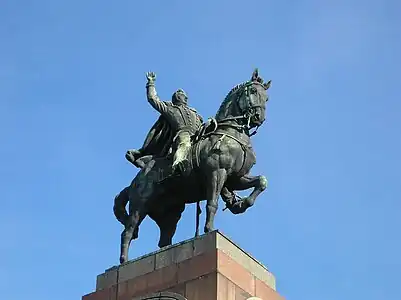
180 97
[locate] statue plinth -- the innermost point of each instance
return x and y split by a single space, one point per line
208 267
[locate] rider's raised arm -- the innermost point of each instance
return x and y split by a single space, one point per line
154 99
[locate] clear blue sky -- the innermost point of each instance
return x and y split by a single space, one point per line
72 101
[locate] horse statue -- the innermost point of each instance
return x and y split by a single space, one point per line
221 159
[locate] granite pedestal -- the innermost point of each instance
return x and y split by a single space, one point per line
208 267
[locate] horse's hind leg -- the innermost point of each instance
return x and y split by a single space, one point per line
168 223
214 184
120 201
136 216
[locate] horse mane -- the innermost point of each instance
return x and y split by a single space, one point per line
221 113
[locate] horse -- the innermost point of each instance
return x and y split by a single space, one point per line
221 160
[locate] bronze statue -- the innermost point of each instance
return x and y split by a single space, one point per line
217 163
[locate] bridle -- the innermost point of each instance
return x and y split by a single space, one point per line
249 112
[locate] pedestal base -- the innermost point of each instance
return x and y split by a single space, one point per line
205 268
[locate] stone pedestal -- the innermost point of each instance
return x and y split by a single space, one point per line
205 268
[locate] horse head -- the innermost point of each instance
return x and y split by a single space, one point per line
246 102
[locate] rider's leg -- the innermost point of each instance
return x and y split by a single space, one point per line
180 155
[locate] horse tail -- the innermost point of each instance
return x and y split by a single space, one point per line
120 201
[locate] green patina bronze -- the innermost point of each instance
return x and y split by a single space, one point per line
185 160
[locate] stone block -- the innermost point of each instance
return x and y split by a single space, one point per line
240 294
98 295
245 260
164 258
203 288
225 288
136 268
162 279
106 279
174 255
205 243
183 252
235 272
137 286
197 266
263 291
178 289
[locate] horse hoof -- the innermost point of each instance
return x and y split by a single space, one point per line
136 233
239 207
208 229
122 259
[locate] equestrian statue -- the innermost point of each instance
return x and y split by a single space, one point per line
185 160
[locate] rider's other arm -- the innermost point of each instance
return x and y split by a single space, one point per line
154 99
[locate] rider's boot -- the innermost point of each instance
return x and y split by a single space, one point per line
132 155
182 167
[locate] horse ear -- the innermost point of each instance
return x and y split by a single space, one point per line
255 75
267 84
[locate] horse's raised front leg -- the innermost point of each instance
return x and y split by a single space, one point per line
214 184
258 183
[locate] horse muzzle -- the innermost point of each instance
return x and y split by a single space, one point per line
258 117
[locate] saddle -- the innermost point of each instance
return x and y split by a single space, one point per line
193 153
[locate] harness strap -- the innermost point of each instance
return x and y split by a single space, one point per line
228 135
195 160
255 132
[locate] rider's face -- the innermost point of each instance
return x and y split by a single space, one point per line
180 97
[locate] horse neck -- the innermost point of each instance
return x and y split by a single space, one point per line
232 128
227 109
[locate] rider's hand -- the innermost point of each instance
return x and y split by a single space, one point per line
151 76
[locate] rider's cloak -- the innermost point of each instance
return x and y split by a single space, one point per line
159 139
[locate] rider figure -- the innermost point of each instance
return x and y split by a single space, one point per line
184 121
